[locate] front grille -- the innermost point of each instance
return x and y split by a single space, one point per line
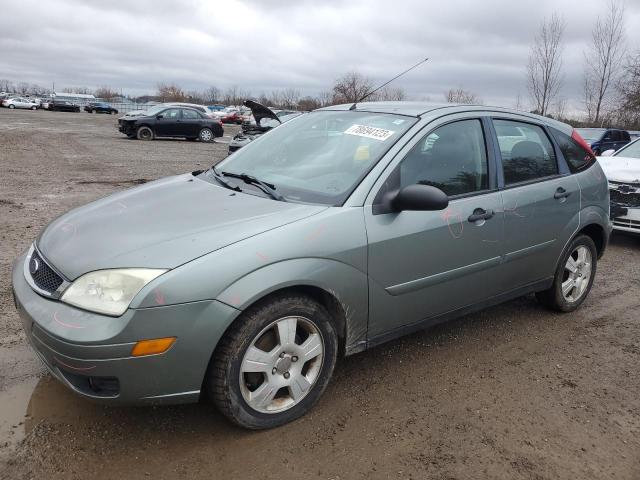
623 222
43 275
625 199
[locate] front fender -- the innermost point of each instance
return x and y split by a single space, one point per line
345 283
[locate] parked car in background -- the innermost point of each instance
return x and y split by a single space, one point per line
216 108
262 120
634 134
622 169
171 121
44 104
20 102
63 106
335 232
602 139
100 107
201 108
231 116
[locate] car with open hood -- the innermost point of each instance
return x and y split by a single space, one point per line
264 119
337 231
171 120
622 169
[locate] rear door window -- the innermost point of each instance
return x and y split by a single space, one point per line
527 156
577 157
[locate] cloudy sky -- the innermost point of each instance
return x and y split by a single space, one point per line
262 45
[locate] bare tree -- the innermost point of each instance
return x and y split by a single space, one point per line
6 85
518 106
560 109
106 92
459 95
629 89
22 88
211 95
325 98
603 60
350 88
309 103
290 97
170 93
544 66
389 94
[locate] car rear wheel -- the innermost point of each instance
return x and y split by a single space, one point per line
34 108
12 106
574 276
274 362
206 135
144 133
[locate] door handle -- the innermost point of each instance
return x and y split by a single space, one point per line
561 193
480 214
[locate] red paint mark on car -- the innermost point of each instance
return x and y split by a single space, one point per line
65 324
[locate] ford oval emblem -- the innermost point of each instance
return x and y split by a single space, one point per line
34 266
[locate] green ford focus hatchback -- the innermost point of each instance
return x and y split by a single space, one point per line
337 231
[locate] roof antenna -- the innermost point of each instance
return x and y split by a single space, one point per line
353 107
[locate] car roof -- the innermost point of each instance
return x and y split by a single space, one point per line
419 109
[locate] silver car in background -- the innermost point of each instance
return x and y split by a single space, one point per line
21 102
337 231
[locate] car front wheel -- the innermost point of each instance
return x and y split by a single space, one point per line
12 106
274 363
144 133
206 135
574 276
34 108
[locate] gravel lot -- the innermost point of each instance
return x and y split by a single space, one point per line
515 392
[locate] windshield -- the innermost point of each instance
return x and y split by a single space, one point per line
630 150
591 134
155 110
319 157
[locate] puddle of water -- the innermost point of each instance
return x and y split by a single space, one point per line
15 401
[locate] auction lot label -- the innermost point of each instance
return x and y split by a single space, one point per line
369 132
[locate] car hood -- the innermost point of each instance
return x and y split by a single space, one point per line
260 111
162 224
621 169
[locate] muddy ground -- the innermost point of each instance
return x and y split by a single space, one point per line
515 392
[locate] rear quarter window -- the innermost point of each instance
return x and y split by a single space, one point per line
577 157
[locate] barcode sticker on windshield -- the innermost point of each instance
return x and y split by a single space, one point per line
369 132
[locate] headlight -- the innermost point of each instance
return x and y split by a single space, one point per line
109 291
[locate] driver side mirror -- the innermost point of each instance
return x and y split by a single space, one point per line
418 197
159 116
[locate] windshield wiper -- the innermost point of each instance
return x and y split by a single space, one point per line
223 182
268 188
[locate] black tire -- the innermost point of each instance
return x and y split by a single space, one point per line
223 376
144 133
553 297
206 135
34 108
12 107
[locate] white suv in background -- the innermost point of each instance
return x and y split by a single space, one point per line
622 169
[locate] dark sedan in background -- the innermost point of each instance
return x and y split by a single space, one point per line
100 107
171 121
63 106
602 139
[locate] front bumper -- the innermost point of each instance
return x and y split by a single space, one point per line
91 353
625 219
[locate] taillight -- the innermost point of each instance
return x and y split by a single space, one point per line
580 141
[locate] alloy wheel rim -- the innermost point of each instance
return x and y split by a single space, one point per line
577 274
205 135
281 365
